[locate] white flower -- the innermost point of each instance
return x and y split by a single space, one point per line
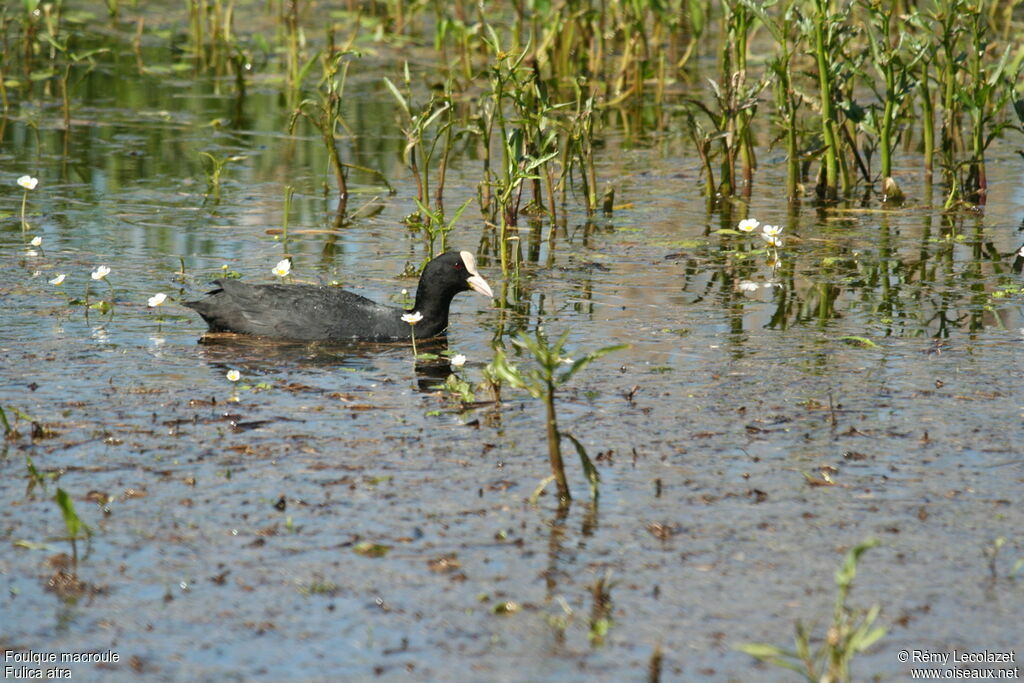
100 273
157 299
28 182
283 267
748 286
748 224
771 235
458 360
406 291
233 375
31 252
59 279
37 241
1021 252
412 318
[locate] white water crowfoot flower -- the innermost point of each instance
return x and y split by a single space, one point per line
233 375
28 183
36 241
283 267
155 301
748 225
412 319
458 360
100 273
772 234
59 280
748 286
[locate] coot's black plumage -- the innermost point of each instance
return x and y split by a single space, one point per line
311 313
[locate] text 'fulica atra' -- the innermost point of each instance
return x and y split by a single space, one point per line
312 313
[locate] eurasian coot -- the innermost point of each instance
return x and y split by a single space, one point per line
311 313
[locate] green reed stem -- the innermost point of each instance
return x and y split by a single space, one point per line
825 85
927 120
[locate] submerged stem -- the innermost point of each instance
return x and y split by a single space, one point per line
555 446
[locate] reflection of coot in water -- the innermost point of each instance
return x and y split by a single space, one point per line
311 313
258 356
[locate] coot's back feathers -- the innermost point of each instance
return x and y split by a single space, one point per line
310 313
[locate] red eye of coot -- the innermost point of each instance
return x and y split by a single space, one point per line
458 266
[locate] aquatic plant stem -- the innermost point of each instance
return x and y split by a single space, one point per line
24 223
927 123
555 446
412 333
828 123
288 192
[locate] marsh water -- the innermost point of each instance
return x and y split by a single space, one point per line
333 515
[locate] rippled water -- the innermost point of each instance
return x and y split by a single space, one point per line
229 548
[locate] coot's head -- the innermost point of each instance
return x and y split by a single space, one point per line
454 272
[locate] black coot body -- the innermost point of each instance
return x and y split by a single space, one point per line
311 313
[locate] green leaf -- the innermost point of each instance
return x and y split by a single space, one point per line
772 654
433 117
31 545
763 650
74 524
540 488
534 163
587 359
398 96
593 476
846 573
507 373
307 67
458 212
868 639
